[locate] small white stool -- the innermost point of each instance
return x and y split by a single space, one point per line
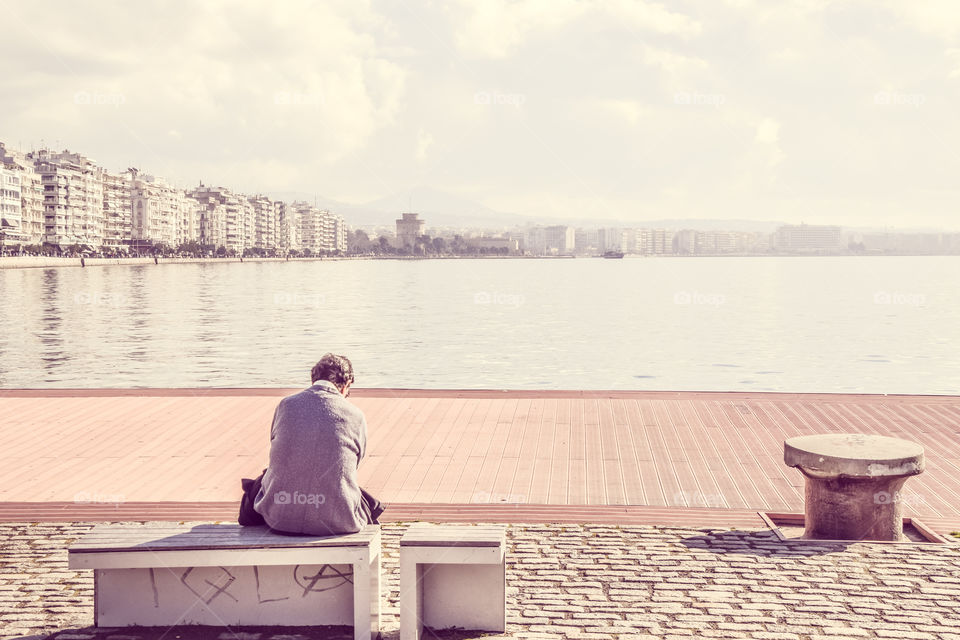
452 576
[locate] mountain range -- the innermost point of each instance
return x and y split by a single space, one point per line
443 209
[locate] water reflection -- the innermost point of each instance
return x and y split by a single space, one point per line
752 324
54 355
138 314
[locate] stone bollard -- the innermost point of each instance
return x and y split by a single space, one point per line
853 483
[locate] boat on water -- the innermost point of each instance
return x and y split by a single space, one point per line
613 254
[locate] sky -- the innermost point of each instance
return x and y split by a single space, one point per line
800 111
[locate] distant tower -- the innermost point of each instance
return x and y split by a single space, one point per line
409 228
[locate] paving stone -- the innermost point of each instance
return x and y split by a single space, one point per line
590 583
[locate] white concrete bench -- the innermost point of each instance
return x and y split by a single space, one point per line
452 576
161 574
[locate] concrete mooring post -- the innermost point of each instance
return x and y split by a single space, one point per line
853 483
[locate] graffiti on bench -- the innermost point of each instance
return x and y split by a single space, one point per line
209 583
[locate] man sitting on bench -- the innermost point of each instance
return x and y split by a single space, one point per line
316 443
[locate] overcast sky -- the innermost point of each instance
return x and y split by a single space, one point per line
843 113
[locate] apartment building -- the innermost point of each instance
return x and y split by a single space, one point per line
211 214
30 211
10 205
265 215
72 198
807 238
116 212
288 228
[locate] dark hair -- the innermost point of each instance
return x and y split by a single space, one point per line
333 368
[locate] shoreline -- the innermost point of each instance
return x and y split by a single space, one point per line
47 262
51 262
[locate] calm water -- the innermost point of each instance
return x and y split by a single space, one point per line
879 325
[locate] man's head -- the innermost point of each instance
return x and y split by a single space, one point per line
335 369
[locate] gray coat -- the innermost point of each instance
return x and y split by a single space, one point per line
316 442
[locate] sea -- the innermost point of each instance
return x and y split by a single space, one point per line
858 324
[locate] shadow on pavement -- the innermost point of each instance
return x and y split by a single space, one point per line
760 543
194 632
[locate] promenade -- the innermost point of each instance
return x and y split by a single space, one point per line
628 457
631 514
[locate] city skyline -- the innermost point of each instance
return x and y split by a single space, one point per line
630 111
63 201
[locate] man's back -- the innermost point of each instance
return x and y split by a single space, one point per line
317 440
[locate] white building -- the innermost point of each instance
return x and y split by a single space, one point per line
409 228
559 239
807 238
161 214
554 240
116 212
311 226
265 214
31 195
65 199
72 198
288 229
239 217
685 242
339 236
212 215
611 239
11 223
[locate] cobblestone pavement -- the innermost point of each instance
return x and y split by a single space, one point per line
583 582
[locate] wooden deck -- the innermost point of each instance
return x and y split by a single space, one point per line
618 452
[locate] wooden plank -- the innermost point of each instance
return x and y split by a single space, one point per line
598 446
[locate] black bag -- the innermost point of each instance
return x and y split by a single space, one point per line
248 517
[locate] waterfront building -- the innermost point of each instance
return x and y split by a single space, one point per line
328 231
31 196
409 228
560 239
288 228
65 199
340 232
189 225
587 241
10 206
807 238
116 212
265 214
553 240
72 198
907 243
311 228
717 242
650 242
755 242
160 215
611 239
685 242
212 214
503 243
320 230
239 223
519 238
226 219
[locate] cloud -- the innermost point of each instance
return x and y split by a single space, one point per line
303 80
629 111
768 131
768 137
497 28
424 142
554 108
